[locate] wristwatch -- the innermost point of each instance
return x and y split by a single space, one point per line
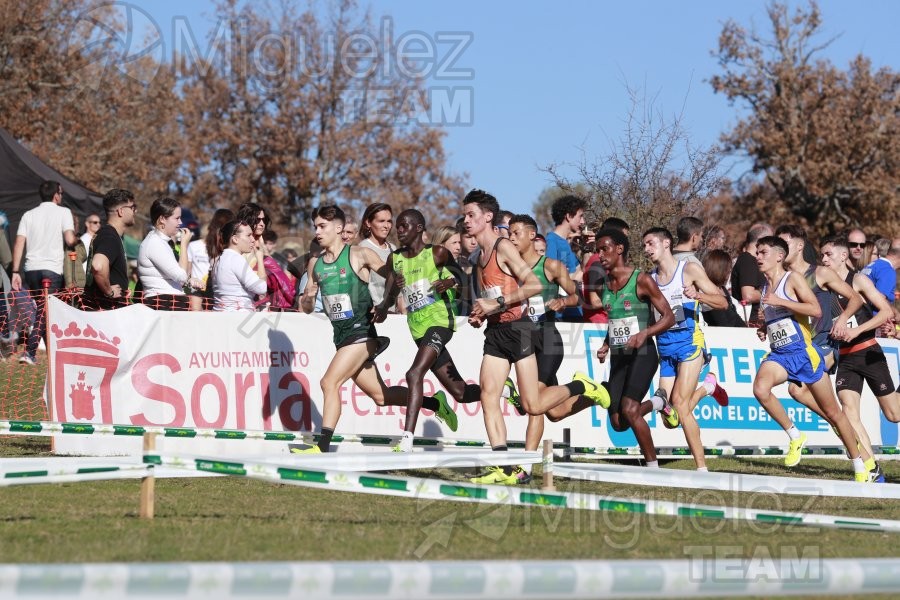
501 302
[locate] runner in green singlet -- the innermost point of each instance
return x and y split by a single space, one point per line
342 273
427 278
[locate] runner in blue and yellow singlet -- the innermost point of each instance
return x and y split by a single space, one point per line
682 348
787 305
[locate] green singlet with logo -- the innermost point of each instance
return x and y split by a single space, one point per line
424 308
537 305
345 296
628 314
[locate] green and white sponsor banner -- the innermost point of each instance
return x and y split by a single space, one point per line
261 371
703 574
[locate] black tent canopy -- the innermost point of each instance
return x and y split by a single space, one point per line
21 174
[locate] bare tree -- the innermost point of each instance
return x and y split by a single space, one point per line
651 175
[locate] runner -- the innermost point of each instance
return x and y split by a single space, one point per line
787 303
343 271
627 295
829 328
548 344
429 279
508 338
682 348
861 356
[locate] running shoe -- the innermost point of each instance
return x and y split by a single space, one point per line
496 476
863 477
593 390
870 464
876 475
26 360
513 398
445 413
719 394
668 412
310 450
397 448
523 477
795 451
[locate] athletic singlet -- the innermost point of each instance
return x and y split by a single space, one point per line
786 333
424 308
628 314
537 305
827 299
496 282
858 318
592 315
686 329
346 297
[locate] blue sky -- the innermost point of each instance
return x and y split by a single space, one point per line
549 78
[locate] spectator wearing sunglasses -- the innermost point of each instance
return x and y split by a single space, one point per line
91 227
856 243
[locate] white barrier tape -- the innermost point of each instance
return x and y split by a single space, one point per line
390 461
746 451
107 475
500 580
71 469
50 428
636 455
436 489
731 482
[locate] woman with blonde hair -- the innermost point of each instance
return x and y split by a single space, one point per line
449 238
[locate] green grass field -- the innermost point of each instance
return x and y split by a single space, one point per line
229 519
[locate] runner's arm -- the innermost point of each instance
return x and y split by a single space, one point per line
702 289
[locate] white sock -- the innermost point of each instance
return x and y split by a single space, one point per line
702 469
793 432
858 465
406 442
652 464
658 403
527 468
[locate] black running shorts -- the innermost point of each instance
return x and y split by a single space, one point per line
630 373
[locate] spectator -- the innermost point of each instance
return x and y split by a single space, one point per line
349 234
449 238
377 223
502 226
91 227
235 285
568 218
717 264
199 253
47 230
315 249
689 231
882 270
540 244
857 241
270 240
75 264
107 278
746 278
164 273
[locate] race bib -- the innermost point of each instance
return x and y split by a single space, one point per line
620 330
536 308
852 322
677 306
782 333
339 307
418 295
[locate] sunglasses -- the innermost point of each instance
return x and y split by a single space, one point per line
93 222
856 244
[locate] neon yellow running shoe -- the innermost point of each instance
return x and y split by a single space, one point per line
795 451
513 397
593 390
668 412
496 476
310 450
445 413
870 464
